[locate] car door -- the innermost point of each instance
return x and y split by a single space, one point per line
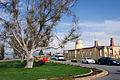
83 60
105 61
102 60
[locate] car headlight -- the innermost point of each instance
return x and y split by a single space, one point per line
114 62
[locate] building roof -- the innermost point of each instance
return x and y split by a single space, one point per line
94 47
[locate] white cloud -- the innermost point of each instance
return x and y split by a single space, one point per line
100 31
56 42
65 24
70 45
3 14
102 38
3 1
107 25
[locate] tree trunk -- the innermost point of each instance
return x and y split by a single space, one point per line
22 57
30 61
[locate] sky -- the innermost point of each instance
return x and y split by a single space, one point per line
98 20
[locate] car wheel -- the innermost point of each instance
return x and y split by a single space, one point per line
109 63
87 62
82 62
99 63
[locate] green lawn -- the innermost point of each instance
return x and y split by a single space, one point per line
14 70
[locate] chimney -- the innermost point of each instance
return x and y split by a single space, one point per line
96 43
111 41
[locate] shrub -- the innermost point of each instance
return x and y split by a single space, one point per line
39 62
0 57
73 60
96 61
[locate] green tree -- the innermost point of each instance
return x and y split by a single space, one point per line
32 25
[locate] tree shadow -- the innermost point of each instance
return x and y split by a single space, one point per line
12 64
19 64
118 70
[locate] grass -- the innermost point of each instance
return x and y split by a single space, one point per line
14 70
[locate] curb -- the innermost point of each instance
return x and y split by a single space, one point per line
104 73
77 76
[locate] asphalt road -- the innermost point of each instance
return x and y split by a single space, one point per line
114 71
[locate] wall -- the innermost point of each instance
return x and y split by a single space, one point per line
94 52
116 52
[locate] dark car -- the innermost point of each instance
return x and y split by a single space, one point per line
108 61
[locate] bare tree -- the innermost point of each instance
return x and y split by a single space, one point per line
41 52
31 29
2 53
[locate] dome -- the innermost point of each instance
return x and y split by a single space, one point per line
79 44
78 41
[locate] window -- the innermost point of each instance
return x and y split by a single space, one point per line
111 52
100 52
90 53
119 51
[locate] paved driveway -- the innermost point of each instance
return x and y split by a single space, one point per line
114 71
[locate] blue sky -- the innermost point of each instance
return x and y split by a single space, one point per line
97 10
98 20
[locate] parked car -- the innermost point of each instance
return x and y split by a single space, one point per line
108 61
88 60
59 57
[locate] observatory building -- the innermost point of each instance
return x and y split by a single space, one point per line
94 52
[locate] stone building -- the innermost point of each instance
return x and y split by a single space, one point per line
94 52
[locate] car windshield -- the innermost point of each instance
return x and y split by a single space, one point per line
59 56
110 58
88 58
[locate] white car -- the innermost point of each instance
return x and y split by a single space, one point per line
59 57
88 60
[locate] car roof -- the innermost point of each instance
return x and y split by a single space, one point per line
106 58
87 57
